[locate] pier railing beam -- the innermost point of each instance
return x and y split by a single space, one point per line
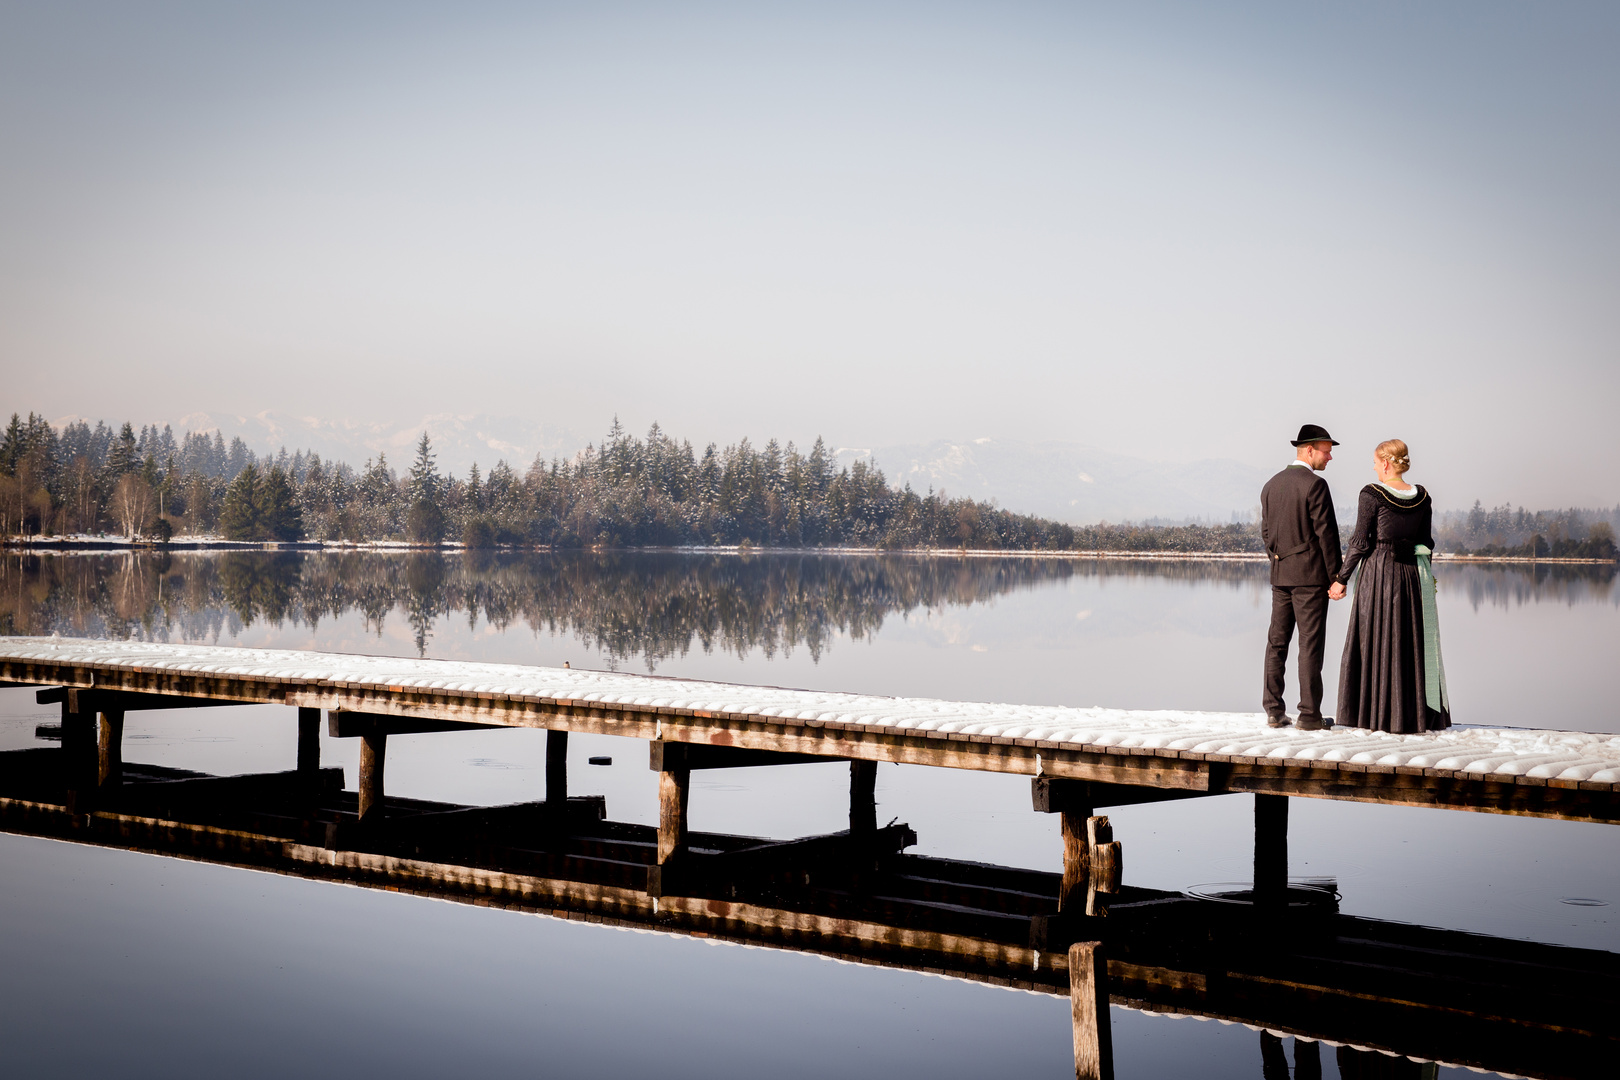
373 753
1088 996
862 798
309 746
1270 850
110 748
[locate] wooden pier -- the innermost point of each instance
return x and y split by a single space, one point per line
855 893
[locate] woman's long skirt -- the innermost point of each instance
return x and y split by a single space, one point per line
1381 677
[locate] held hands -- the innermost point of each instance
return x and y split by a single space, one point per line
1336 591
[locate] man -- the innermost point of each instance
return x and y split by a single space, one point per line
1301 535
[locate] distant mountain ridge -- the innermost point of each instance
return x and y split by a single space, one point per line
1071 482
458 439
1068 482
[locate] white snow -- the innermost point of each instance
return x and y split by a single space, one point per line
1498 752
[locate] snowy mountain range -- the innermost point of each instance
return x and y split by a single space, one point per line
1071 482
1065 481
458 440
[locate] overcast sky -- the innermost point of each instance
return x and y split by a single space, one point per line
1169 230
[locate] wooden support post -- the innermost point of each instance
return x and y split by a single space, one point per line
1270 850
1106 864
1107 858
557 771
79 752
373 751
1273 1062
862 798
1307 1059
309 746
1088 996
673 785
110 749
1076 858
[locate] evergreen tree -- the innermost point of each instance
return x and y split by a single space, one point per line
424 480
239 516
11 449
239 458
277 511
424 521
101 441
121 455
475 491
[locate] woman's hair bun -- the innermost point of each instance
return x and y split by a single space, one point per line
1394 451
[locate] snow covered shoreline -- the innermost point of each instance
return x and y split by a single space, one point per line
86 544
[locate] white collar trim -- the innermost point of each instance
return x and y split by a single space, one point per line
1410 493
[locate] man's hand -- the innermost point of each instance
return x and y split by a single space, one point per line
1336 591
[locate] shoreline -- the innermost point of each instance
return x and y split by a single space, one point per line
110 544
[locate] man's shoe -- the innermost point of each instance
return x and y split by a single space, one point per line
1277 721
1310 723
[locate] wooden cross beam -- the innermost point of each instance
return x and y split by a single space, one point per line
80 699
342 724
1055 795
664 755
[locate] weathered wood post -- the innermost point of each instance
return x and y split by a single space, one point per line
1107 864
1076 858
557 776
674 783
1088 996
373 752
309 746
1307 1059
862 798
79 746
110 749
1270 850
1273 1062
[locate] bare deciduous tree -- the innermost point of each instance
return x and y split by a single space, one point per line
132 504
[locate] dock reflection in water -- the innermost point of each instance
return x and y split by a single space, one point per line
1298 969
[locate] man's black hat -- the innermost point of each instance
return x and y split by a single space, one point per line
1311 433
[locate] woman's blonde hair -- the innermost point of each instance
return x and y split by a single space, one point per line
1394 451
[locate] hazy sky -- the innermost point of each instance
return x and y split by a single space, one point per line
1171 230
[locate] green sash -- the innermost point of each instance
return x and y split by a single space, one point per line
1434 669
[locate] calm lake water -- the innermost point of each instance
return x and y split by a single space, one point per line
137 965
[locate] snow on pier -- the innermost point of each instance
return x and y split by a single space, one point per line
1560 758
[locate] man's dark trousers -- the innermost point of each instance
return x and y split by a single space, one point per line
1301 534
1305 606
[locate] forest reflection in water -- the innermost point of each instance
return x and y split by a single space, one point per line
647 606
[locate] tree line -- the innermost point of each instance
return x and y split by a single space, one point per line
1516 532
627 492
653 491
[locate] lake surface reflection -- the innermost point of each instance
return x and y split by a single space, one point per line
1525 645
193 969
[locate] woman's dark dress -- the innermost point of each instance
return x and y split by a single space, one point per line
1381 677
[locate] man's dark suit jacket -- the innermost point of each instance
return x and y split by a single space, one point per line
1299 528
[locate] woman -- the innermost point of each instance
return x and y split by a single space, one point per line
1391 678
